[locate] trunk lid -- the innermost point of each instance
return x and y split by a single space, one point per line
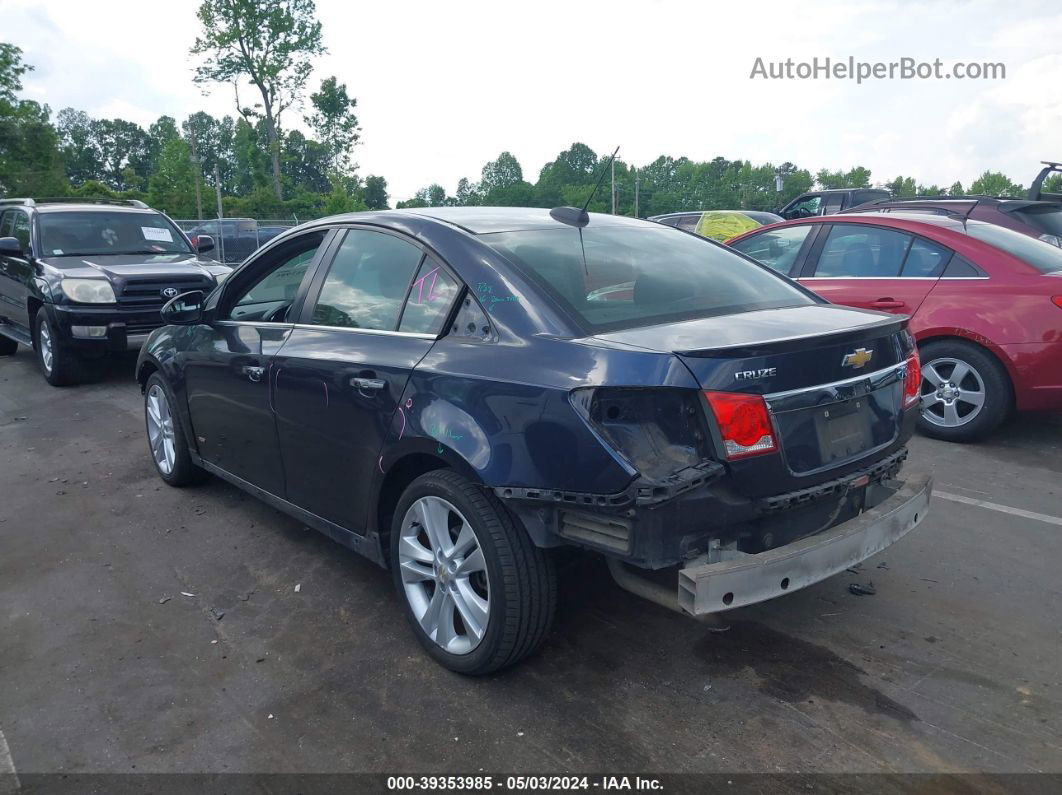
831 376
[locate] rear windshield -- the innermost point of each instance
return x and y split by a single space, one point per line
1045 257
616 277
1047 219
68 234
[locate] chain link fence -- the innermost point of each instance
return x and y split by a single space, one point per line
235 238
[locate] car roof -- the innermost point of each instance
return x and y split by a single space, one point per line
485 220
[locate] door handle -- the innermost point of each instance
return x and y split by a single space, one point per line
254 373
368 383
886 303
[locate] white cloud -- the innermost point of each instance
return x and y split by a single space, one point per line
443 87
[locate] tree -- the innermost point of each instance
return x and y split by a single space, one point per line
305 164
11 70
857 177
119 143
334 122
172 186
499 175
78 144
269 42
432 196
374 193
213 146
903 187
995 183
956 189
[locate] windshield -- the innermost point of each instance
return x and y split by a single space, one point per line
1045 257
639 276
95 232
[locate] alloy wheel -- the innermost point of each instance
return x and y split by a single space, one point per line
444 574
952 394
44 340
160 429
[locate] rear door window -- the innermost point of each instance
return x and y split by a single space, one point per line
430 298
367 282
925 259
860 252
777 248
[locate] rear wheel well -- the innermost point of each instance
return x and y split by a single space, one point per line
395 483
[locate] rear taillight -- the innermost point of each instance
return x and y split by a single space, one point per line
743 423
912 382
1057 300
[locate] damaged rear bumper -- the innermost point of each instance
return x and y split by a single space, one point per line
748 579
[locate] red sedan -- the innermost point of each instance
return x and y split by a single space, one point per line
985 304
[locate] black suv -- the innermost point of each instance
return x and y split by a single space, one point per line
828 202
80 279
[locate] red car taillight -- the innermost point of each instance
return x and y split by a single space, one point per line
744 424
1057 300
912 383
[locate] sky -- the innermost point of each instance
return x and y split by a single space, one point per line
443 87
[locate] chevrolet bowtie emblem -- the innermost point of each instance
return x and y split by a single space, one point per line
857 358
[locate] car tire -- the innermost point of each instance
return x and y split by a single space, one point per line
512 582
8 346
966 392
59 365
166 440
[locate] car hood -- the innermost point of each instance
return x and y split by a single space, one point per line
122 266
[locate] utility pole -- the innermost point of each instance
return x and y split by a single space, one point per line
614 194
196 166
637 185
221 213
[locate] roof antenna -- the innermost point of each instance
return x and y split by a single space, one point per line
574 216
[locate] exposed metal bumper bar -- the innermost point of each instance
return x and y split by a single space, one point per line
746 580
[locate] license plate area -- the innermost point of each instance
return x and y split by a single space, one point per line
844 429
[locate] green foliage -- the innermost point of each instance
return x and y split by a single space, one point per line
857 177
995 183
334 122
11 70
172 186
1053 184
270 43
956 189
903 186
374 193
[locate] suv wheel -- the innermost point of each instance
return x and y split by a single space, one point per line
166 440
58 364
965 393
478 594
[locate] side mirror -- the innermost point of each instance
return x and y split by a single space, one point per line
184 310
10 247
204 243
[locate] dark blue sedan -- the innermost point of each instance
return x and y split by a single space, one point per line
454 392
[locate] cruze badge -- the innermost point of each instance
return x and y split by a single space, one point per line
748 375
169 292
857 358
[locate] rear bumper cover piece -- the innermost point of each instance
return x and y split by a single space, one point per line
748 579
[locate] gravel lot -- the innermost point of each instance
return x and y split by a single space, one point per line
106 667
